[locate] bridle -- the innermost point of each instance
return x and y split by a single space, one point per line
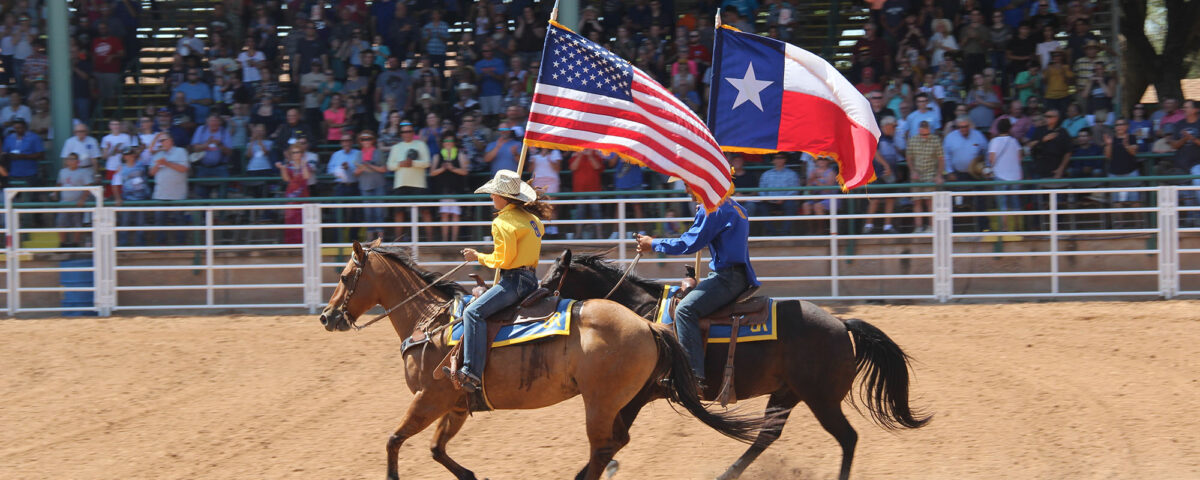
353 284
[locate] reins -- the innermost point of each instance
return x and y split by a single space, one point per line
411 297
623 275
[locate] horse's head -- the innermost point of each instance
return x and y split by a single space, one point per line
554 275
352 296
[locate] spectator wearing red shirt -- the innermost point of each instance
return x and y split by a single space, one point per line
871 51
868 83
107 54
586 167
356 9
696 51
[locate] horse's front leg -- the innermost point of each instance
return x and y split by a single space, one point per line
447 427
423 411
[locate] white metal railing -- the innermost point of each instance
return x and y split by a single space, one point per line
223 257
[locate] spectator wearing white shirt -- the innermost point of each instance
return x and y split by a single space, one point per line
83 146
145 136
170 171
111 147
15 110
1004 157
189 45
251 59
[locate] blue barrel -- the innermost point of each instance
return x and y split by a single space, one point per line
80 299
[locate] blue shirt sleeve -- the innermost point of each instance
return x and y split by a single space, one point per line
704 229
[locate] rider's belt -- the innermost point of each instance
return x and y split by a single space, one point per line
518 269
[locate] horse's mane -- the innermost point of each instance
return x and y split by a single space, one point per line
605 268
400 255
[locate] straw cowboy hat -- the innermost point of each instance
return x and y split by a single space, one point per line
508 184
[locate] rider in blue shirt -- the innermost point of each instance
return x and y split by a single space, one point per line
726 233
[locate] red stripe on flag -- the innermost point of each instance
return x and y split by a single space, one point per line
817 126
635 117
606 129
651 87
697 128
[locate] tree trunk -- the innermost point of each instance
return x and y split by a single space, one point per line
1143 65
1139 59
1168 75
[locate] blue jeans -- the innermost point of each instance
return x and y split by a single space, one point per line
1008 203
1126 196
136 218
765 208
175 218
514 285
716 291
204 190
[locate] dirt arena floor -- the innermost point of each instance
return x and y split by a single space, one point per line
1020 391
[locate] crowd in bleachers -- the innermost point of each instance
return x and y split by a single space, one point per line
342 98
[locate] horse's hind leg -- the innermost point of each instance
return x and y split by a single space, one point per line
447 427
621 428
779 406
829 413
606 434
422 412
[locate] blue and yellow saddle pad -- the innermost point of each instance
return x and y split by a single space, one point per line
720 333
557 324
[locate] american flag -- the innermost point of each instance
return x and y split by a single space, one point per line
587 97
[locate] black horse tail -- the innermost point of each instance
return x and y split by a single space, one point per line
680 388
884 369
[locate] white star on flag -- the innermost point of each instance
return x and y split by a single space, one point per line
748 88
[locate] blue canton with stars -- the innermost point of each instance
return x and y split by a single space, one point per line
746 98
571 61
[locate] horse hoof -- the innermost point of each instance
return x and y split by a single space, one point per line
611 469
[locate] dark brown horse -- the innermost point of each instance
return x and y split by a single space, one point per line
815 360
610 358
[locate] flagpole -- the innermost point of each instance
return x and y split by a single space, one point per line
717 23
525 146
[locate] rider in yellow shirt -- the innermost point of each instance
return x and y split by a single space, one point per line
517 232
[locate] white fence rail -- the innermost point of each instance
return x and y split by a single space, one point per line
231 257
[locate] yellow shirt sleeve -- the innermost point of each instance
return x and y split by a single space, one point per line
504 251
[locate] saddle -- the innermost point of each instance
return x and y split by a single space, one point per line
536 307
746 309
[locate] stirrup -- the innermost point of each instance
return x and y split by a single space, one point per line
464 381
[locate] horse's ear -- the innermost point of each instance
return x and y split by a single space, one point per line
564 259
358 250
691 271
375 243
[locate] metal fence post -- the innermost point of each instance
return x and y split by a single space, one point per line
834 291
1053 218
104 237
311 255
621 235
210 294
414 244
13 262
1168 241
943 246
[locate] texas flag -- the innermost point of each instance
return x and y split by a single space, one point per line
769 96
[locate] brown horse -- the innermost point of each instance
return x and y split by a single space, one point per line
815 360
610 357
